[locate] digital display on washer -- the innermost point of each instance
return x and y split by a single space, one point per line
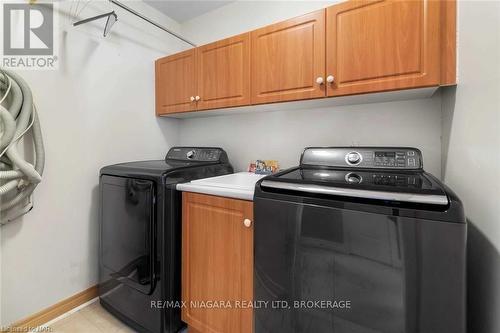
385 154
390 159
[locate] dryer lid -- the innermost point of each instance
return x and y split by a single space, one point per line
177 158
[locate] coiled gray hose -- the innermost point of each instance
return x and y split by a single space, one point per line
18 178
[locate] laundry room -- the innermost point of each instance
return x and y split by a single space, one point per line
250 166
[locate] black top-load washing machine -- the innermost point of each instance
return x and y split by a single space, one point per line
140 235
359 240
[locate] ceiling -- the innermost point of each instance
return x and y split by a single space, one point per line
182 11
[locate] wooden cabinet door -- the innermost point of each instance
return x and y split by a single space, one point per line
176 83
377 45
287 58
224 73
217 262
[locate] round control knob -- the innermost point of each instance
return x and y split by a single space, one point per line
190 154
353 158
247 223
353 178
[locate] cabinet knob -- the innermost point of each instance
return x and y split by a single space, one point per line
197 98
319 80
192 98
330 79
247 223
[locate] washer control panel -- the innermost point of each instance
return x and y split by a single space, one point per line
364 157
194 154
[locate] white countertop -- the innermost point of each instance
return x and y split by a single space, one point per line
239 185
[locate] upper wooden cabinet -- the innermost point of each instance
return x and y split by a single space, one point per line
176 83
223 74
354 47
212 76
287 58
217 262
382 45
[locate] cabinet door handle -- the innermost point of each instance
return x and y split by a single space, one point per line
192 98
330 78
247 223
319 80
197 98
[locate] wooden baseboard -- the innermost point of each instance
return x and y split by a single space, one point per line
53 311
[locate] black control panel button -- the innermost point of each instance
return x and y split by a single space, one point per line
353 158
353 178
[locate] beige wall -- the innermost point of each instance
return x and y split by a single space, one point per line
471 154
282 135
242 16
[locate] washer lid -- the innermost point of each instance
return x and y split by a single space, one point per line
404 186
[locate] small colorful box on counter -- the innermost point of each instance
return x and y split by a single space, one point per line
264 167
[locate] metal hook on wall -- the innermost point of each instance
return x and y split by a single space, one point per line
112 18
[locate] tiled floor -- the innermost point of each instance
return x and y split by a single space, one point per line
90 319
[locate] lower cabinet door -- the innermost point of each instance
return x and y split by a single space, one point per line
217 264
